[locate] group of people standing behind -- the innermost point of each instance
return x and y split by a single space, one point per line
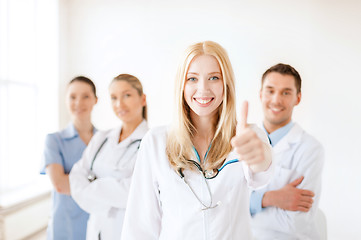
205 176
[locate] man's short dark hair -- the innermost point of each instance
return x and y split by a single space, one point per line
285 70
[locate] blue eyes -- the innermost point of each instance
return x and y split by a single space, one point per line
192 79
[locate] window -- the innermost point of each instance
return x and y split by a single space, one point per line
28 88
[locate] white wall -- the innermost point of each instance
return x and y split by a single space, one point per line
321 39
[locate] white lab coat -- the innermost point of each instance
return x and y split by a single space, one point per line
296 154
161 205
106 197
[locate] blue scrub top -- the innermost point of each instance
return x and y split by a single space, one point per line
68 220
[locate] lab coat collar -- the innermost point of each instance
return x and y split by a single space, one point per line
278 134
138 133
292 137
70 132
231 156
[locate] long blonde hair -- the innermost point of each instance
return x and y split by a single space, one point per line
179 140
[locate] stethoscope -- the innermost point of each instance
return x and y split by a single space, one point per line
91 176
206 174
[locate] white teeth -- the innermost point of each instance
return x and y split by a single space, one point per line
203 101
276 109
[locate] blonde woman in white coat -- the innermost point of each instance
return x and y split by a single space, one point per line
100 181
190 182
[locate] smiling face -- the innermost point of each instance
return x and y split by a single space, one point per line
126 102
203 89
278 96
80 100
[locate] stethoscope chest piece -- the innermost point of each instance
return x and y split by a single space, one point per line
91 177
211 173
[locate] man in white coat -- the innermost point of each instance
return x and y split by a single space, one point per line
286 208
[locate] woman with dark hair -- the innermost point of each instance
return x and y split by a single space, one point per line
62 150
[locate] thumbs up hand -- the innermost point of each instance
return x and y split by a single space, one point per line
249 146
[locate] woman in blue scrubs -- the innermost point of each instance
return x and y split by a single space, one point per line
62 150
